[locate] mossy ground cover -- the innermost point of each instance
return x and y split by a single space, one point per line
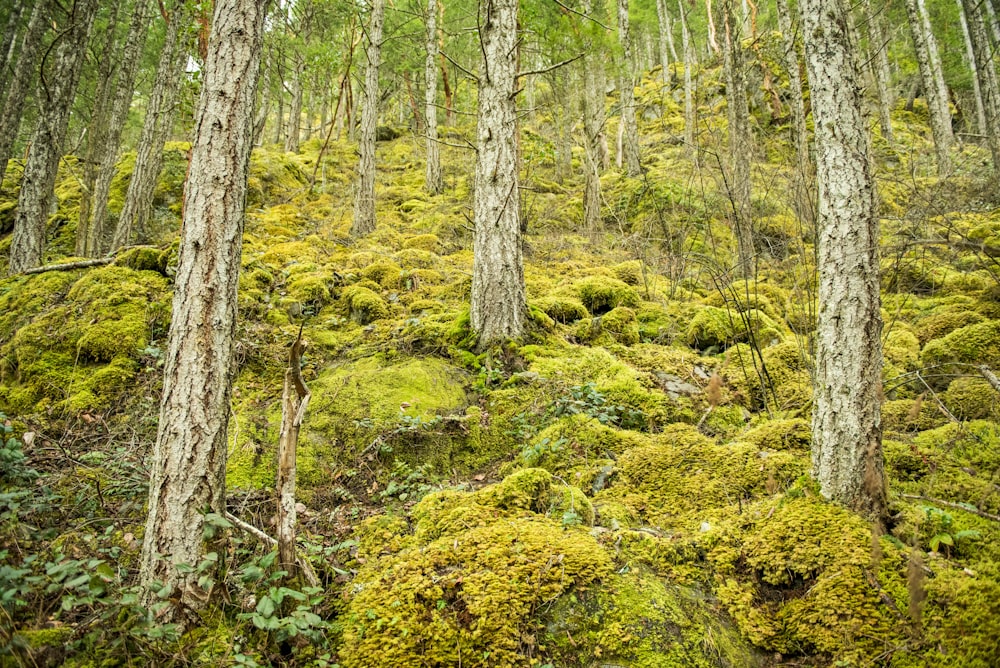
628 486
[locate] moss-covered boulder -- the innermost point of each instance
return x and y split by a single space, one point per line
600 294
972 344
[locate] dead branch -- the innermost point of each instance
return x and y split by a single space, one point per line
990 377
307 570
67 266
294 401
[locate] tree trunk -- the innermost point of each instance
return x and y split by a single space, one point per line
803 168
55 95
8 39
740 141
295 108
20 81
593 123
433 176
664 20
991 19
364 198
690 117
847 436
970 58
879 47
630 138
156 128
499 302
188 473
929 63
294 402
987 77
98 129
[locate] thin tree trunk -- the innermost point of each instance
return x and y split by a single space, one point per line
986 70
433 176
20 81
8 39
156 128
294 402
364 197
499 302
593 122
690 118
630 138
740 141
929 63
879 47
847 437
970 58
188 471
55 94
295 108
991 19
664 32
803 170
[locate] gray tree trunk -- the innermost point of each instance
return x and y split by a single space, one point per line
847 435
20 81
55 97
364 197
803 167
991 19
295 107
434 183
970 58
690 113
8 40
664 20
986 70
156 127
879 47
499 301
630 128
929 63
131 56
593 124
188 471
740 140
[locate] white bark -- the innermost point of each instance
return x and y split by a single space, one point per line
630 128
20 81
847 451
970 58
879 48
690 114
740 140
434 183
593 122
664 20
188 472
499 303
364 197
986 70
803 169
936 95
55 101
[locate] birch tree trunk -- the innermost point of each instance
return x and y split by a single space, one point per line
8 54
20 81
630 128
55 102
188 472
593 122
986 70
803 169
880 68
929 63
364 198
156 127
970 58
690 117
740 141
434 183
847 435
664 21
295 108
499 302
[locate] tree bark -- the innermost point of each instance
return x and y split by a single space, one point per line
188 472
8 39
929 63
664 20
295 107
803 167
630 131
740 140
156 128
55 95
364 198
593 124
847 435
879 59
499 302
20 81
988 85
690 113
434 183
970 58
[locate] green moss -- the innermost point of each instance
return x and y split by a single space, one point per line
364 305
473 595
621 324
942 323
972 344
720 328
426 242
387 274
630 272
778 376
144 258
577 439
911 415
562 309
789 434
311 289
972 398
600 294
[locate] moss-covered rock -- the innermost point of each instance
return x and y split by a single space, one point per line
972 398
972 344
717 328
600 294
364 305
782 434
564 310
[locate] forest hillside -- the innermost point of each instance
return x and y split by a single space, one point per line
628 484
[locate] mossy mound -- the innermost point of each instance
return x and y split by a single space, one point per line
788 434
777 376
600 294
717 328
470 598
578 442
972 344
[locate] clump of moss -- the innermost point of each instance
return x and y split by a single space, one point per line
426 242
621 324
911 415
972 398
630 272
564 310
972 344
472 595
720 328
364 305
577 439
311 289
942 323
782 434
385 273
777 376
600 294
902 348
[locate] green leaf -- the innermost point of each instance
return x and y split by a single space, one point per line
266 606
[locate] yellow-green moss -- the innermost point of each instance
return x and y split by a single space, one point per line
427 242
599 294
562 309
387 274
972 398
719 328
788 434
972 344
779 376
364 305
